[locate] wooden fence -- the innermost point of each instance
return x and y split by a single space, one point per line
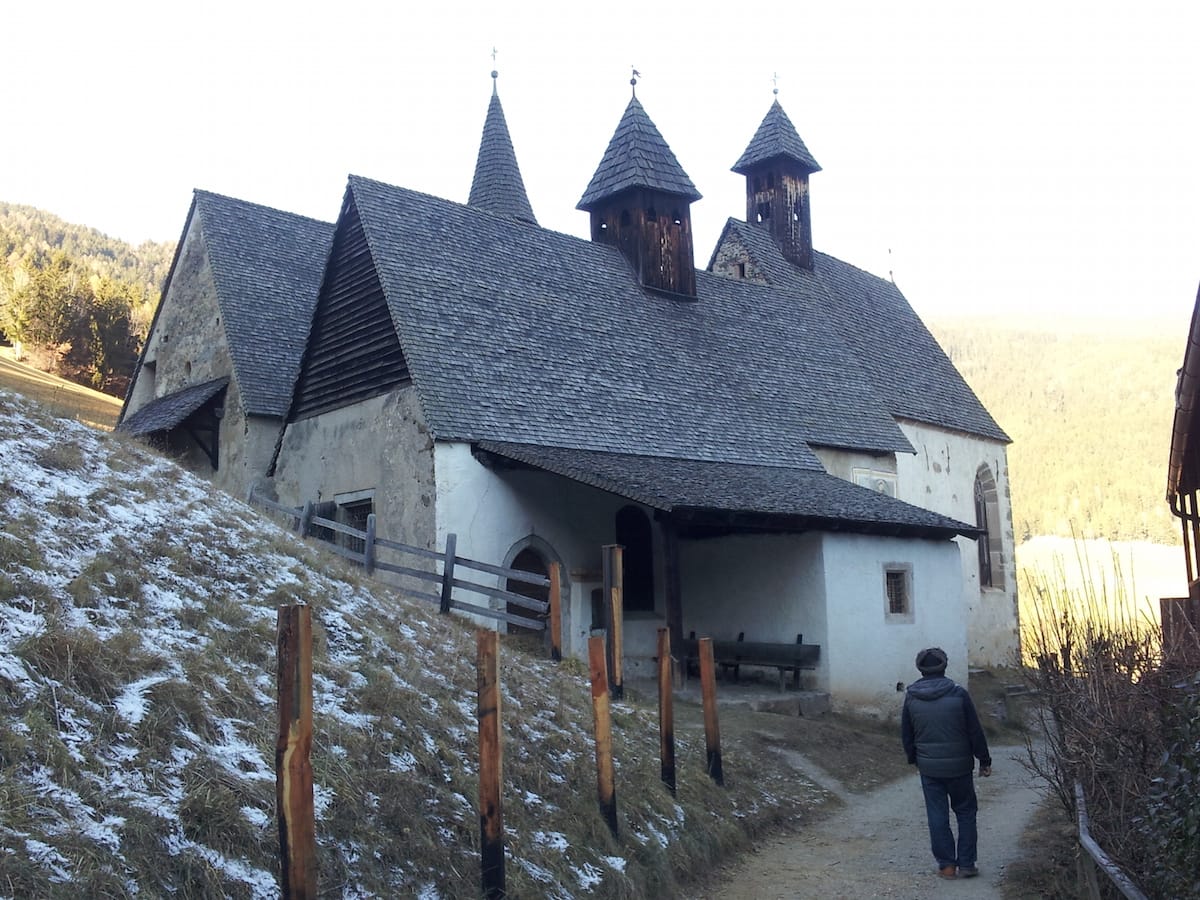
293 768
544 615
1094 862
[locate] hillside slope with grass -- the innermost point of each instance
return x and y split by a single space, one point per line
137 655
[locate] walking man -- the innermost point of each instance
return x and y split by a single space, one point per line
943 738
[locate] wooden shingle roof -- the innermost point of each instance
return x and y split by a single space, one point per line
909 372
637 157
498 186
803 498
267 266
776 136
519 334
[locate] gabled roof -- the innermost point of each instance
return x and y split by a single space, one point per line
518 334
675 485
165 413
637 157
890 345
498 186
776 136
267 266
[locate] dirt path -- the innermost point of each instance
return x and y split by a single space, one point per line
877 845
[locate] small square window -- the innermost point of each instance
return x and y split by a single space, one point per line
897 589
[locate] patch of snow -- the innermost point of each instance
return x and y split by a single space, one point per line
402 762
256 816
49 858
555 840
131 702
587 875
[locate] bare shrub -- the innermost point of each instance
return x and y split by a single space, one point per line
1110 702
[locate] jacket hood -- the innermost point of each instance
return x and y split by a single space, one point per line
931 688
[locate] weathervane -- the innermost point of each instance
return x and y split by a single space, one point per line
495 74
775 82
633 79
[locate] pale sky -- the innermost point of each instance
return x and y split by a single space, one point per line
1027 156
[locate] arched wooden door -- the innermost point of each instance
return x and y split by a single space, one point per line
528 560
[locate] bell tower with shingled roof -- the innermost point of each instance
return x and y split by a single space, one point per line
498 186
640 202
777 165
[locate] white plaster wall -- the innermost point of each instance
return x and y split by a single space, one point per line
491 511
941 477
842 463
772 587
867 652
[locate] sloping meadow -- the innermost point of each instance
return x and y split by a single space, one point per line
137 731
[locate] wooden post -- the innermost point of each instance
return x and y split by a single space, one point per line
614 587
712 730
369 546
666 710
555 611
605 785
674 591
491 819
448 572
293 767
306 517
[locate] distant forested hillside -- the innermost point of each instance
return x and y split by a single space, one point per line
1089 406
78 302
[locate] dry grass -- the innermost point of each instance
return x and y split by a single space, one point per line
61 397
1111 698
1047 868
137 747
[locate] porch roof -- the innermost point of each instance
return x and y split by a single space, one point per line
705 495
165 413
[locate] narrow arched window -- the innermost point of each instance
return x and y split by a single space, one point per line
987 518
634 534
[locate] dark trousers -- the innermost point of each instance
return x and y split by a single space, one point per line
942 795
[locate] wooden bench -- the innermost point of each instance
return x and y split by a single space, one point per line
732 655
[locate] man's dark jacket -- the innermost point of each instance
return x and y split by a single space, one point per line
940 729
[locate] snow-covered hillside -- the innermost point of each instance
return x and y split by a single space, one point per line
137 654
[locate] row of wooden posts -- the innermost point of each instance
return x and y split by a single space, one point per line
293 766
294 795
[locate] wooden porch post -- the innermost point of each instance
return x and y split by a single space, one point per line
674 589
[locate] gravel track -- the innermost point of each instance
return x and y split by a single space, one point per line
876 844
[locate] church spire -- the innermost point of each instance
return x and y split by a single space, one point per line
498 186
777 165
640 201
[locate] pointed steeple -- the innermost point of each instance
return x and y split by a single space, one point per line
640 201
498 186
777 165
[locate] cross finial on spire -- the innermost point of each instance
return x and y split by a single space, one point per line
775 82
495 74
633 79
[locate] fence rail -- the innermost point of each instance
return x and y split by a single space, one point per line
1096 860
306 522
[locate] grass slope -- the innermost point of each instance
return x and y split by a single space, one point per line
137 614
62 397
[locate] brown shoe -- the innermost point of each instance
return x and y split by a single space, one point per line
948 872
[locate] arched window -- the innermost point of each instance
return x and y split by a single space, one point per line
987 518
634 534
